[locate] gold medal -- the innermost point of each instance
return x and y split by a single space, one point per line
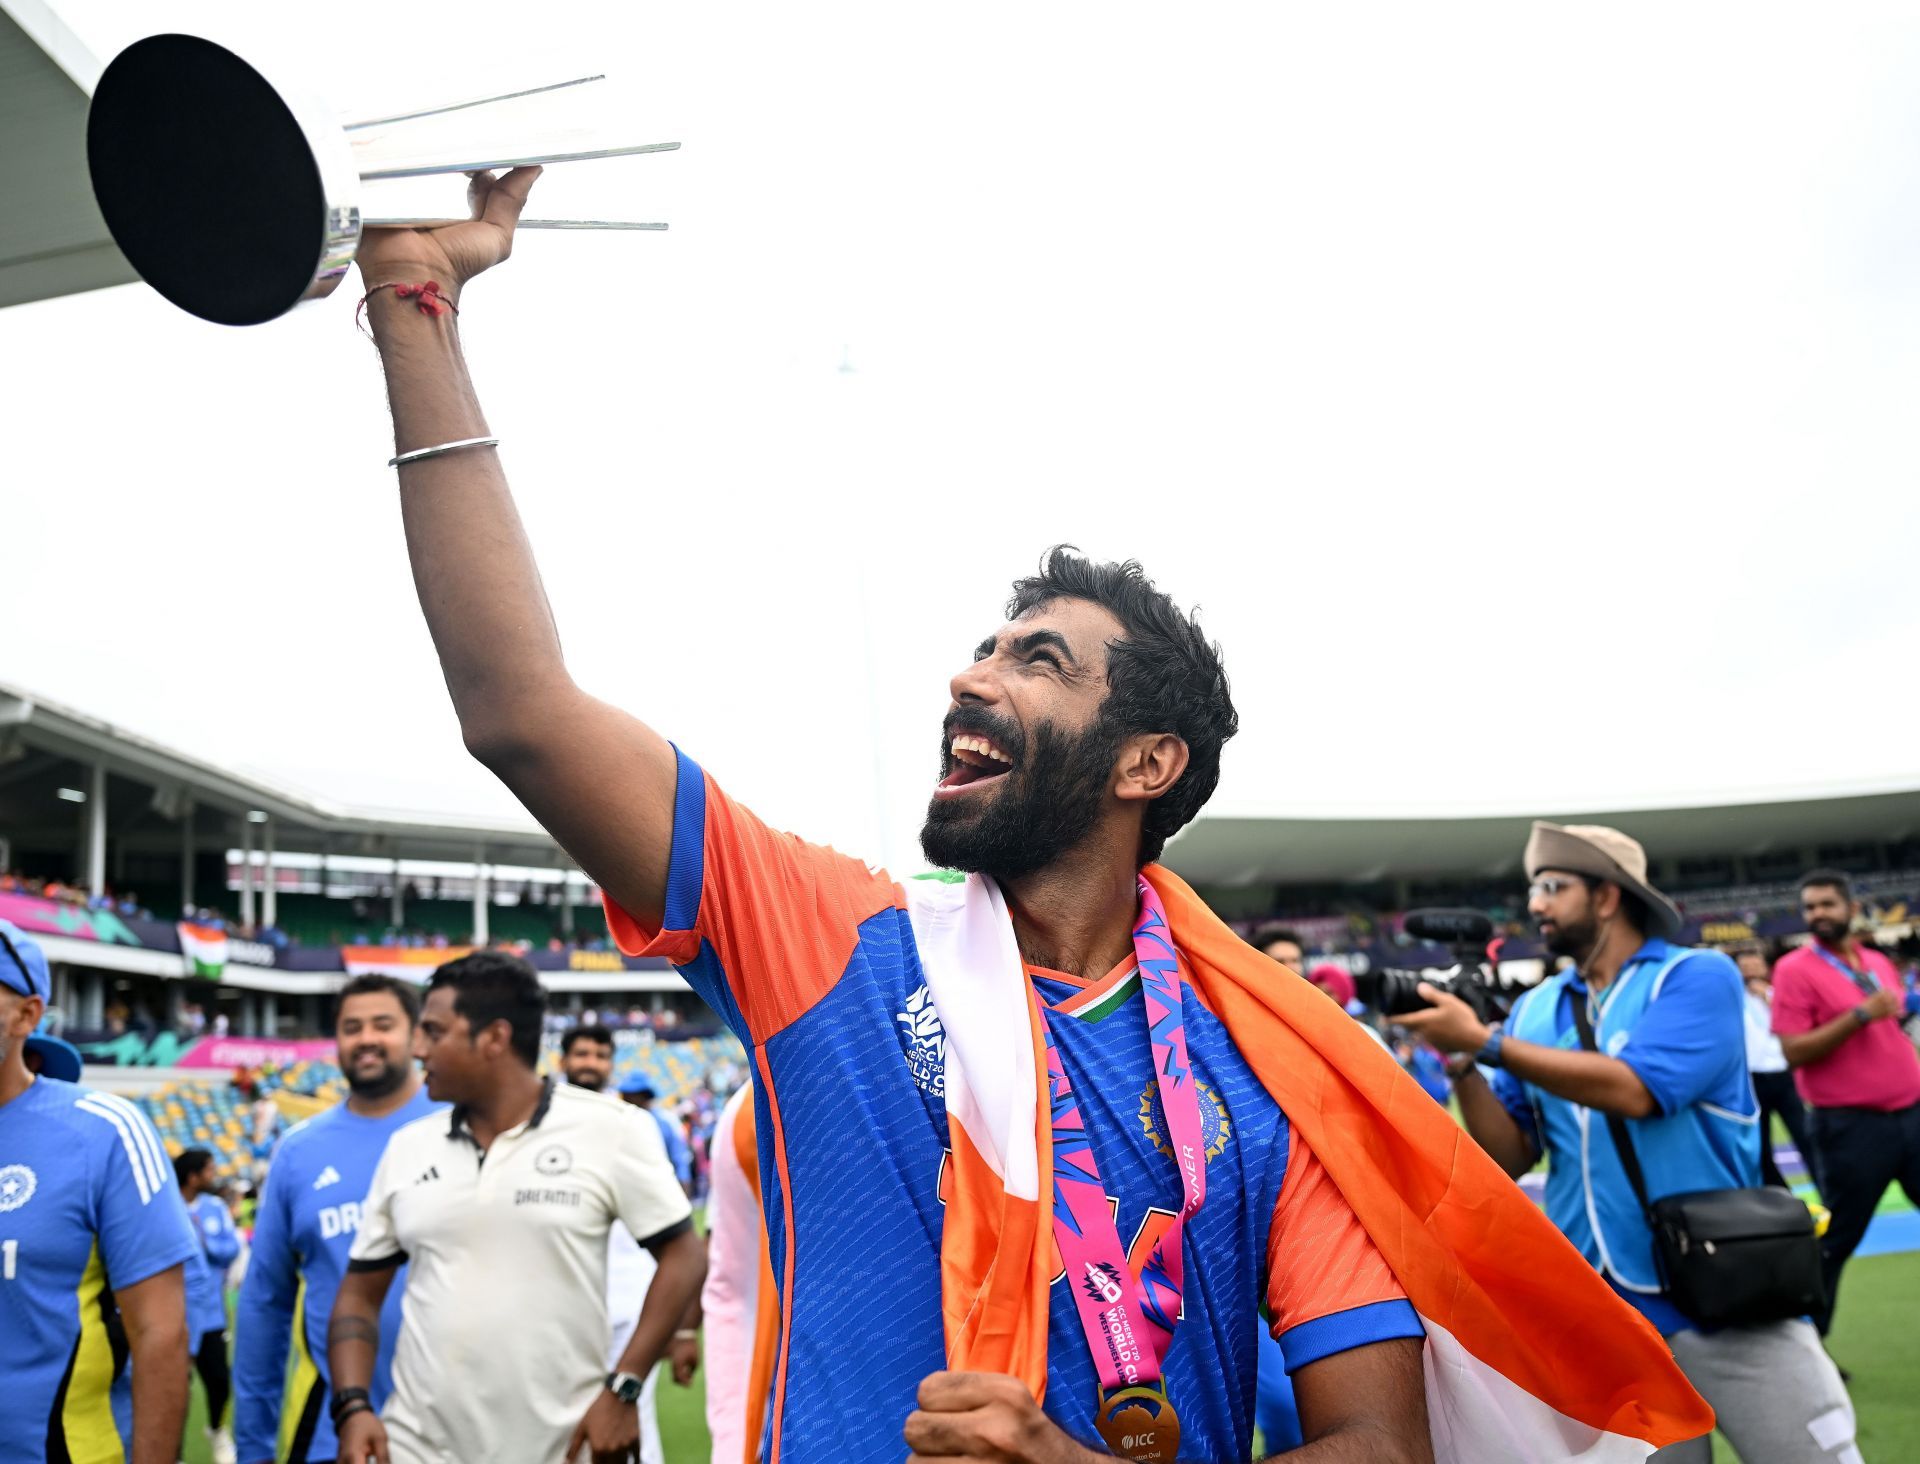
1139 1424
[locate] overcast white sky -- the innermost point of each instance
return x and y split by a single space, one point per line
1525 393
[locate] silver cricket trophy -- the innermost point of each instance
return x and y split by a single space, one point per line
238 197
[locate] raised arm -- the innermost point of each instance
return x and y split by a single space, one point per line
598 780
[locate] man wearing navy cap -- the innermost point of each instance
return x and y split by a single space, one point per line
93 1234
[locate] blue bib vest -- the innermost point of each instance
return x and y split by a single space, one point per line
1701 1147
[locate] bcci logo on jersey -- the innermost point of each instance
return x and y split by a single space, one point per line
1215 1126
17 1184
925 1041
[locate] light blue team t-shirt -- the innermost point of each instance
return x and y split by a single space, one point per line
88 1203
309 1214
207 1272
1676 1017
679 1152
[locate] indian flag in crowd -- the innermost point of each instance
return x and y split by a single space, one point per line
205 950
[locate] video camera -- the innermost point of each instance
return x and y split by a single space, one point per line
1395 991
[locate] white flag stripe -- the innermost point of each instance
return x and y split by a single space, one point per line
160 1166
135 1160
1479 1416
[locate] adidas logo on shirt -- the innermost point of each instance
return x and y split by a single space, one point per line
328 1176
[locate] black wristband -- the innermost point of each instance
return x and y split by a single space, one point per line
349 1401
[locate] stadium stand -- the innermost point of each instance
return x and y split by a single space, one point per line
218 1112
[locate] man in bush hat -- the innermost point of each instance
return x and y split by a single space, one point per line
1668 1056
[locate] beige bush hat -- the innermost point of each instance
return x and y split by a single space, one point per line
1604 853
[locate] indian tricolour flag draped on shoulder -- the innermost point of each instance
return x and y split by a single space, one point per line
204 949
1529 1354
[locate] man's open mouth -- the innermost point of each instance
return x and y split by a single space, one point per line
973 762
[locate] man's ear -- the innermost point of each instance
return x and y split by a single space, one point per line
1150 764
23 1015
1607 899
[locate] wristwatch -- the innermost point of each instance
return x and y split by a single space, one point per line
625 1386
1489 1055
1862 1015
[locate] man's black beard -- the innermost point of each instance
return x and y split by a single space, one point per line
1829 932
385 1086
1574 940
592 1082
1045 806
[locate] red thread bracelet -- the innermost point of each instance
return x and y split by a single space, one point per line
432 302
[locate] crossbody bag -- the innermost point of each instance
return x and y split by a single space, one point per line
1728 1257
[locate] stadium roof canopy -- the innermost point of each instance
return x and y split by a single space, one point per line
160 800
1252 851
52 238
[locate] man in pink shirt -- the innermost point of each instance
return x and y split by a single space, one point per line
1838 1006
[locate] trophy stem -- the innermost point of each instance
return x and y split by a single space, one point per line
431 223
532 91
483 165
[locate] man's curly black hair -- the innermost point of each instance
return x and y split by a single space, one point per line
1165 676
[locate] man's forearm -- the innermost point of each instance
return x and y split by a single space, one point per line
1587 1078
681 1265
473 566
160 1382
1358 1446
1822 1042
353 1329
1491 1126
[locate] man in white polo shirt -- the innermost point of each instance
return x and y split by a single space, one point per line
502 1210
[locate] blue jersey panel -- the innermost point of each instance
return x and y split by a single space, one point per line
309 1215
863 1151
87 1203
1211 1369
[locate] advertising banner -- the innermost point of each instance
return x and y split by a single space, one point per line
416 963
420 962
38 915
252 1052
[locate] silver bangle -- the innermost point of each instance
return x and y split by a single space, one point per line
421 453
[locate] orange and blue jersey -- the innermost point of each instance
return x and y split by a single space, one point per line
811 958
88 1204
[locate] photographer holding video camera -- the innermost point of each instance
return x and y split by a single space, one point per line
1628 1072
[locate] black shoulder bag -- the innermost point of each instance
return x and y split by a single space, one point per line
1729 1257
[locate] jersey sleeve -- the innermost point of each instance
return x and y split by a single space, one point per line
218 1236
1678 1047
139 1217
263 1321
647 1197
761 923
1794 1008
1518 1102
376 1245
1329 1289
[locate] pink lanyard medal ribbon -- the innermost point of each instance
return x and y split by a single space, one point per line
1129 1321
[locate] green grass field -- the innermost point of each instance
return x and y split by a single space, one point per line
1873 1337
